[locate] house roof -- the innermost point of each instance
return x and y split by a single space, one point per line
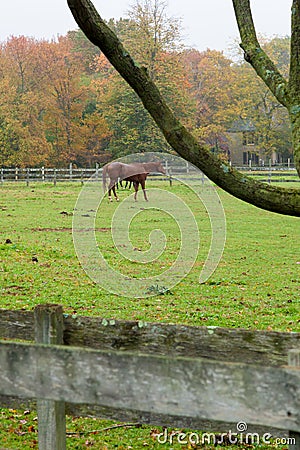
241 125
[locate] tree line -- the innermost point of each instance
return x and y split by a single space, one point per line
62 101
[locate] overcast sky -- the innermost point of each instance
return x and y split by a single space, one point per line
206 23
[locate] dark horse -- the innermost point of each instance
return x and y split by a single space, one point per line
136 173
128 184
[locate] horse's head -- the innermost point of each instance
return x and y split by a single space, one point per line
160 168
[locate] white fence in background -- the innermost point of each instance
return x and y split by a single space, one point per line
282 173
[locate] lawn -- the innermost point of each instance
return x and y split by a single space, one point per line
255 286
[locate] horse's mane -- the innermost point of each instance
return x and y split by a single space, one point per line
152 165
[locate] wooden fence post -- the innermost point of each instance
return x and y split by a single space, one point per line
48 321
294 360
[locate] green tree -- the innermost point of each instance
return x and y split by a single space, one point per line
286 91
84 49
255 102
155 39
152 33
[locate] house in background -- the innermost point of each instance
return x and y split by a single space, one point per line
242 143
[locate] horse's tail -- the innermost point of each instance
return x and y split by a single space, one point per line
104 173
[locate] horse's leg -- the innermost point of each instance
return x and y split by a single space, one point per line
127 184
115 193
112 187
109 192
136 188
143 184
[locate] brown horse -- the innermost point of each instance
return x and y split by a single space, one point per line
136 173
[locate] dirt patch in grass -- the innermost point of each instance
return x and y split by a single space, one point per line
69 229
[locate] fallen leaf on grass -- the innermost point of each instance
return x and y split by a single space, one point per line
155 433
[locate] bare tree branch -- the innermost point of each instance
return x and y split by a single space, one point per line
280 200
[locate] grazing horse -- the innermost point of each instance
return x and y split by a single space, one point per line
136 173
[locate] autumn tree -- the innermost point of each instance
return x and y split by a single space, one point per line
226 91
70 129
211 76
95 135
281 200
22 133
47 106
65 98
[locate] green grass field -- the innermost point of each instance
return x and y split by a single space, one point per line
256 285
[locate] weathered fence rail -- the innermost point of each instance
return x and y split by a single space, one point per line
204 378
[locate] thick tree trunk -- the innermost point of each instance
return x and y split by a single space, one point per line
295 121
294 81
280 200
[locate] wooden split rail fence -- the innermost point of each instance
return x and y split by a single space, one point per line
200 378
